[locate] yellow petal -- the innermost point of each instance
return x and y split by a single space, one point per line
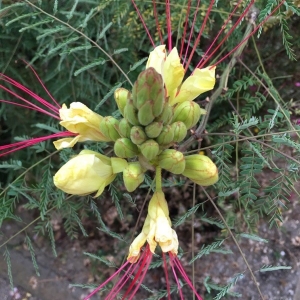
202 80
66 142
173 72
157 58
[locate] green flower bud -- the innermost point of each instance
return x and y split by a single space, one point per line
180 131
118 164
154 129
121 96
130 113
108 128
145 113
133 176
149 87
137 135
200 169
166 136
149 149
188 112
124 128
124 148
166 115
172 161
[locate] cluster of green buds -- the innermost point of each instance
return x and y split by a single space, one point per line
156 115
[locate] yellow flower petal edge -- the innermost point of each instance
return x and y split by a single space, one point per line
157 58
202 80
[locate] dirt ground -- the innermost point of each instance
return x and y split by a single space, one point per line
72 266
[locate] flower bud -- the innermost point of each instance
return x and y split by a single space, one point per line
124 128
200 169
149 149
80 119
124 148
108 128
137 135
121 96
172 161
145 113
166 115
154 129
118 164
133 176
130 113
188 112
180 131
149 87
85 173
166 136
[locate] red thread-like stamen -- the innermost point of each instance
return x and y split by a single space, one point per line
143 22
204 59
157 22
167 276
199 34
191 32
169 25
185 27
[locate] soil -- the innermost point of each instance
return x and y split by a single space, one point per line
72 266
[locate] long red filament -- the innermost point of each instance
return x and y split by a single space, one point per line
191 31
222 29
185 26
157 22
143 22
254 31
175 275
199 34
169 25
167 276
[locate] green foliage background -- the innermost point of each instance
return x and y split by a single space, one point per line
83 50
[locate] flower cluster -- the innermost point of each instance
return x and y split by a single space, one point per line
157 114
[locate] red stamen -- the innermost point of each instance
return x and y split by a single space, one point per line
106 281
27 91
199 34
255 30
143 22
157 22
169 26
42 84
167 276
185 26
175 275
219 33
28 143
191 32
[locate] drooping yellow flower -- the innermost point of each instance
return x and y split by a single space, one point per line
80 119
156 230
88 172
202 80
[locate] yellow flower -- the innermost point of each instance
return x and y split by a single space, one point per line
85 173
80 119
156 230
202 80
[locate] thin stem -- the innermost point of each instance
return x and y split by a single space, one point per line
158 180
235 241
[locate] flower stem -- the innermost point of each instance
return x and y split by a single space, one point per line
158 179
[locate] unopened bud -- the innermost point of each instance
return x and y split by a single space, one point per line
124 128
108 128
149 149
124 148
166 136
200 169
133 176
137 135
172 161
121 96
188 112
166 115
145 113
180 131
130 113
154 129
